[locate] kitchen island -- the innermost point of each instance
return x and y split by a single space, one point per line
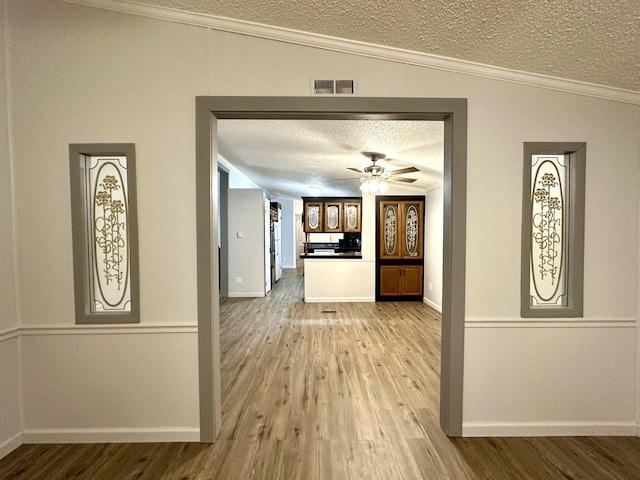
338 277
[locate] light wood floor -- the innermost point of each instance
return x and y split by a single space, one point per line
331 392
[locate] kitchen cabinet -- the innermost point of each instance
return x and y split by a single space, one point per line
400 280
400 239
332 217
401 223
332 214
313 217
352 217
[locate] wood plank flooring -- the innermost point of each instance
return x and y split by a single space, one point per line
331 392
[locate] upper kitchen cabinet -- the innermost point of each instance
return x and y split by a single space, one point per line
332 215
352 217
313 217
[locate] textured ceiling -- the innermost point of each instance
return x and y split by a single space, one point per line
594 41
287 157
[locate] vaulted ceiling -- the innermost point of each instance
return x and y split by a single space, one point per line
594 41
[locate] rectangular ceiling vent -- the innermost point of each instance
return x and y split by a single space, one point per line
333 87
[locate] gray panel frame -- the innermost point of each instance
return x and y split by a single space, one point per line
577 152
223 278
81 269
452 111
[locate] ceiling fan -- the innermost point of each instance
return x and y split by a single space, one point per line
374 175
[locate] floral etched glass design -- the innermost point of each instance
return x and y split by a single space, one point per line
351 214
314 216
549 183
391 229
332 217
107 197
411 230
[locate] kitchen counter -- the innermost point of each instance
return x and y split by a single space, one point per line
345 255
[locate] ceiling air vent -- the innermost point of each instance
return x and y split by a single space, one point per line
333 87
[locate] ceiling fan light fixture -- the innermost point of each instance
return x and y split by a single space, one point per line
373 184
375 177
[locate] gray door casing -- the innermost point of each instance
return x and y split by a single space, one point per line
452 111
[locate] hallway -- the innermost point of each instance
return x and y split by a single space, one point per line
332 392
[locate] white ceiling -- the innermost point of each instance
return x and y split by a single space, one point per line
594 41
287 157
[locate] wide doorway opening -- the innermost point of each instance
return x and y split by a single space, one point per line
450 111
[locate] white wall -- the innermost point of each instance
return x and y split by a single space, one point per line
554 379
82 383
237 179
433 218
501 116
246 243
85 75
10 425
81 74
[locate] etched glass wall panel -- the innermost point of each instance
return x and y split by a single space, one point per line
553 230
105 240
549 183
108 235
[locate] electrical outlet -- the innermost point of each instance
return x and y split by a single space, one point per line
430 286
238 279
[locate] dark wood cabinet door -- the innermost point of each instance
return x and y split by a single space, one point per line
313 217
332 217
412 280
390 224
352 217
412 226
391 280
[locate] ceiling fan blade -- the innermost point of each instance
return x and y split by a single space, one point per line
341 179
354 170
400 171
402 179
